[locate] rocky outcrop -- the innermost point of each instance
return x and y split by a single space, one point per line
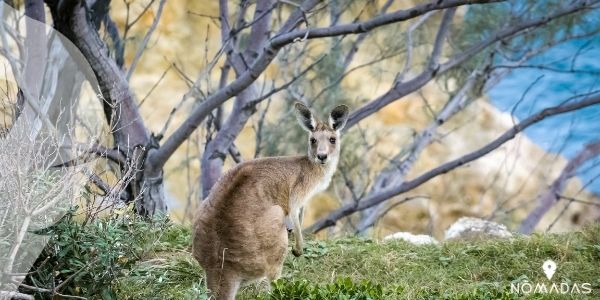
475 228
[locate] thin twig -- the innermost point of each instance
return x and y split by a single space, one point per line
146 40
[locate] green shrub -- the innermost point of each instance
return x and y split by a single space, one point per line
84 259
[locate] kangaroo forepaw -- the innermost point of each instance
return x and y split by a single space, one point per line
297 253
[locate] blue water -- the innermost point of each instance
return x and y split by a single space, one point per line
564 134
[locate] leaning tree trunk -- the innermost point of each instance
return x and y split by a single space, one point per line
143 183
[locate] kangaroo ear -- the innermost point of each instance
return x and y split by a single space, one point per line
338 117
305 117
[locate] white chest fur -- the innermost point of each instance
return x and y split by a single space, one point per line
302 197
322 184
297 203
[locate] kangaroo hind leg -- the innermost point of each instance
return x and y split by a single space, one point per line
222 284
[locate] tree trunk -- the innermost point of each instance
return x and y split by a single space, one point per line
143 183
216 150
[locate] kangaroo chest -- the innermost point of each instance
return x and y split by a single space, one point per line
316 185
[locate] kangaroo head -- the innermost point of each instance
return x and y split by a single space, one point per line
323 138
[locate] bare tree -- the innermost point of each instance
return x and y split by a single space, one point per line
268 38
131 136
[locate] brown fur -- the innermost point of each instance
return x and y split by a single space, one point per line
239 231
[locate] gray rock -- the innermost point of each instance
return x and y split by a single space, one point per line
475 228
416 239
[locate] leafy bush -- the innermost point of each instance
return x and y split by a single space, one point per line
84 259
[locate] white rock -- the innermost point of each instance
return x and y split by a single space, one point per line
416 239
466 228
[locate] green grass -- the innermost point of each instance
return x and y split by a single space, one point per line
481 269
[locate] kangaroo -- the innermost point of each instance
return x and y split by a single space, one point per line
240 232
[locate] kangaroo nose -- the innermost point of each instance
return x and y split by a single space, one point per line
322 157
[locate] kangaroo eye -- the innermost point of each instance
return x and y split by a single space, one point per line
313 140
332 140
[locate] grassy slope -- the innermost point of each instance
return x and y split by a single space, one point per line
454 270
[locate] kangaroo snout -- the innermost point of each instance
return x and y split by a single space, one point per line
322 157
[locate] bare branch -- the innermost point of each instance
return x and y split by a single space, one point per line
409 43
546 200
53 292
270 50
440 38
372 200
146 40
258 129
97 150
160 79
401 89
361 38
399 202
97 181
112 154
547 68
117 43
128 24
579 200
397 174
284 86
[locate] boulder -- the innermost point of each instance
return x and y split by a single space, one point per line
416 239
475 228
